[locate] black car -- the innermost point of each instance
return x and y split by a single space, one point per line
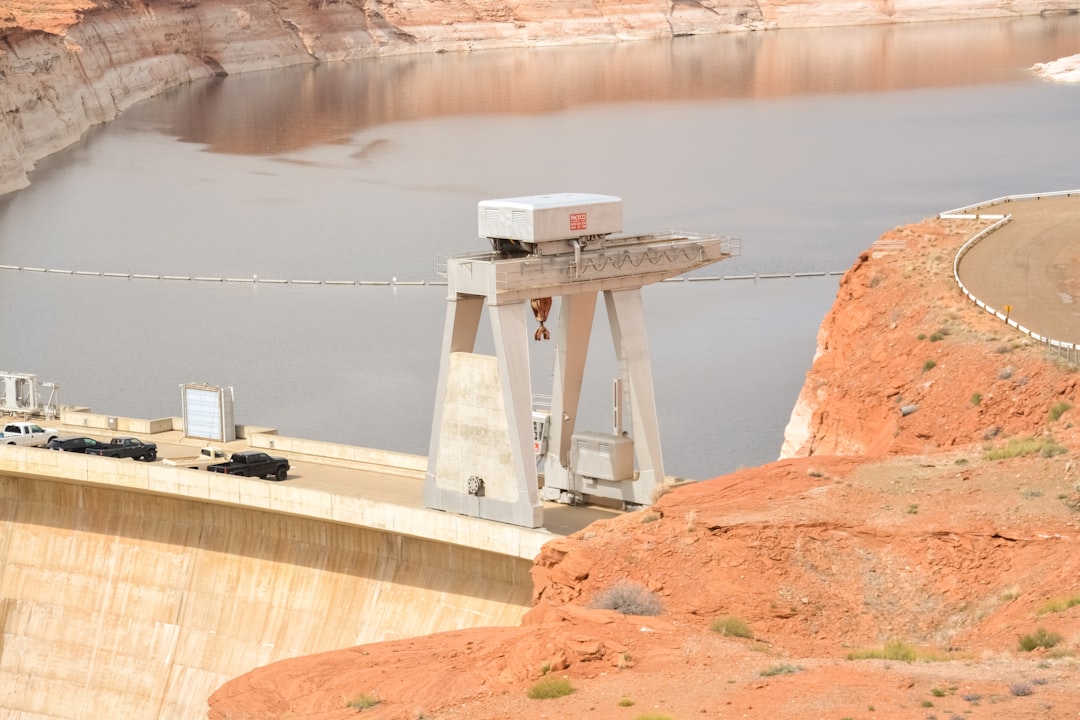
128 447
73 444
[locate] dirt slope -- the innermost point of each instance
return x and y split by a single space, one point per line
894 525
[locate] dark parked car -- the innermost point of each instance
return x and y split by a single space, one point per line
73 444
253 464
128 447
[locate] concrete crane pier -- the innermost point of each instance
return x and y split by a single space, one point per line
484 441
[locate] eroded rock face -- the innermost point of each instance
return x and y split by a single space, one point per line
905 367
70 64
67 66
1066 69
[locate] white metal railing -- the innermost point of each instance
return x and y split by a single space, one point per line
391 282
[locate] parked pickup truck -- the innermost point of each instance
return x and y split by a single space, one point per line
26 433
125 448
252 463
207 456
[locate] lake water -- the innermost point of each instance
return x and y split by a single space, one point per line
806 144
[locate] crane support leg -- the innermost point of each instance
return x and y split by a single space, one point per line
626 315
481 456
571 347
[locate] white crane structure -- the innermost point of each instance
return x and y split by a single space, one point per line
484 442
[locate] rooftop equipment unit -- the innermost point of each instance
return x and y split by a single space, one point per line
549 224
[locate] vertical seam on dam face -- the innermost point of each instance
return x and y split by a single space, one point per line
180 595
6 605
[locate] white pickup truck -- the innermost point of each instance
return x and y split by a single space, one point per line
26 433
207 456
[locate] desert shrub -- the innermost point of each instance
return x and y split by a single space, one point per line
929 365
1017 447
1071 500
363 702
625 702
1019 689
731 627
936 337
650 517
1051 448
937 692
1058 605
1058 409
976 398
550 687
628 598
782 669
892 650
1039 639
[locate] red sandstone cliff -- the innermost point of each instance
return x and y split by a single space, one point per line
918 536
70 64
906 366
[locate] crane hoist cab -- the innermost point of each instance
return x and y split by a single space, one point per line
549 224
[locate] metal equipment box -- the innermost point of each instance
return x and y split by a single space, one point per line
602 456
535 220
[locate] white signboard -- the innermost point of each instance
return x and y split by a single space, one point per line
208 412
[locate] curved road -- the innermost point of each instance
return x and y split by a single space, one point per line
1033 265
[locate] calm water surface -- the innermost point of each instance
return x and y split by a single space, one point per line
805 144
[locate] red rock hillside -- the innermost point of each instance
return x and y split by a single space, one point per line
896 534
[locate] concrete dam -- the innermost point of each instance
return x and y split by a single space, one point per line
134 590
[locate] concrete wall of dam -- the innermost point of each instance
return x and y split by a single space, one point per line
121 602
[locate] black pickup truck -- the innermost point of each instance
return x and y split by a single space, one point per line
125 448
252 463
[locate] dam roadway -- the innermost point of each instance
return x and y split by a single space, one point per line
135 590
1031 266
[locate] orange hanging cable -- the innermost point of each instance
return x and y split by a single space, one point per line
541 307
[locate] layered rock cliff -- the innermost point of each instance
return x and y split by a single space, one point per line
905 367
69 64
